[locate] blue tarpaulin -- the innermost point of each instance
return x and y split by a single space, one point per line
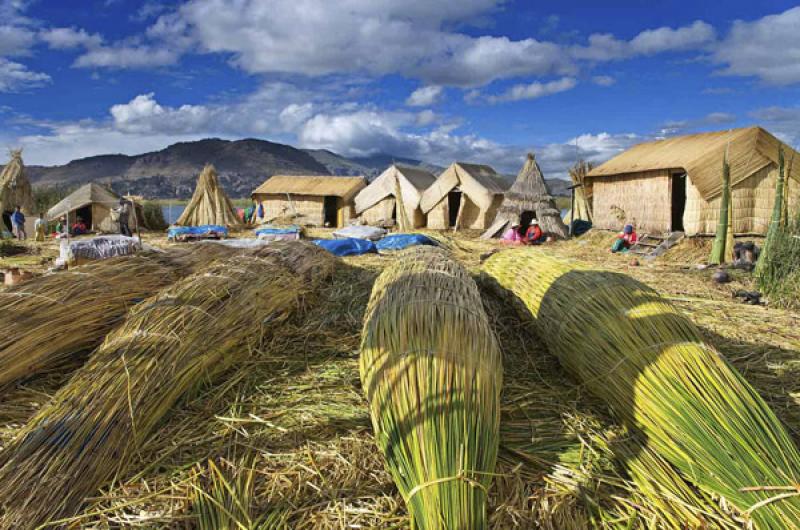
270 230
346 247
176 232
401 241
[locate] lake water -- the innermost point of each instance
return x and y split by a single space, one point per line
172 212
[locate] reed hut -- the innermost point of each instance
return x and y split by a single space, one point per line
393 198
93 203
209 204
676 184
309 200
526 200
15 190
464 196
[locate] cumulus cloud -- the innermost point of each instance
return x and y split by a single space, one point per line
606 47
673 127
767 48
127 56
424 96
534 90
15 76
68 38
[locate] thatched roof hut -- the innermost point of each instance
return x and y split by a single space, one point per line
93 203
309 200
528 199
15 189
209 204
394 197
676 184
463 196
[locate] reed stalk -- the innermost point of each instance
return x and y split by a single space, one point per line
719 250
630 347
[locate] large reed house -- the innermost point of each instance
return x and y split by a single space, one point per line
93 203
464 196
394 197
676 184
308 200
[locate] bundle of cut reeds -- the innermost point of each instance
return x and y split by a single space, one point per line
432 372
635 350
49 320
169 344
209 204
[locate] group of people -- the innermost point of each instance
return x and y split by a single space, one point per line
77 228
533 235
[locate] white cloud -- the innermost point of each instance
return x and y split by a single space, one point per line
606 47
15 40
424 96
603 80
767 48
68 38
673 127
426 117
555 159
16 76
127 56
784 122
534 90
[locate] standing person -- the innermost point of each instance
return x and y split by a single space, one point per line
39 227
534 234
124 214
18 223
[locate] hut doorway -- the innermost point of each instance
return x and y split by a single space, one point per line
525 220
454 199
330 211
678 201
6 221
85 214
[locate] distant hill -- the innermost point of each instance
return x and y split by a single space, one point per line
242 164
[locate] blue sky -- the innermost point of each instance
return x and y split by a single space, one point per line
478 80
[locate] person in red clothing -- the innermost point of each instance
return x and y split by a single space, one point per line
534 234
625 240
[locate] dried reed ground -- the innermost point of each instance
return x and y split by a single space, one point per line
299 406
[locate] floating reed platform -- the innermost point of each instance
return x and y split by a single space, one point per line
47 321
635 350
432 373
186 335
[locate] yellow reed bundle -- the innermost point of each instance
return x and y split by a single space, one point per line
635 350
186 335
432 373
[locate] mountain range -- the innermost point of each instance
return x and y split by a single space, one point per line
242 165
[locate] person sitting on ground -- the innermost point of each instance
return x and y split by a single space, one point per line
18 223
61 226
39 227
79 227
512 236
625 239
534 234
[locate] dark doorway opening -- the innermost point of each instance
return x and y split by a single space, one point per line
331 211
85 214
525 221
453 206
394 212
7 221
678 201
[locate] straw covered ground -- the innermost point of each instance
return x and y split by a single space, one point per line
290 427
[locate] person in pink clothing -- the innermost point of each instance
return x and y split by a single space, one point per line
512 236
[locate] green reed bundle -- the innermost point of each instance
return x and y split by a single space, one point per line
432 373
169 344
635 350
47 321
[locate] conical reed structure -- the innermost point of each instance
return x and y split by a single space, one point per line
583 192
635 350
209 204
15 188
432 372
185 336
529 193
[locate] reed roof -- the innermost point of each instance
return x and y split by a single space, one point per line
91 193
344 187
411 181
479 182
700 155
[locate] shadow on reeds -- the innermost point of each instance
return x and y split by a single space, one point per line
772 371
